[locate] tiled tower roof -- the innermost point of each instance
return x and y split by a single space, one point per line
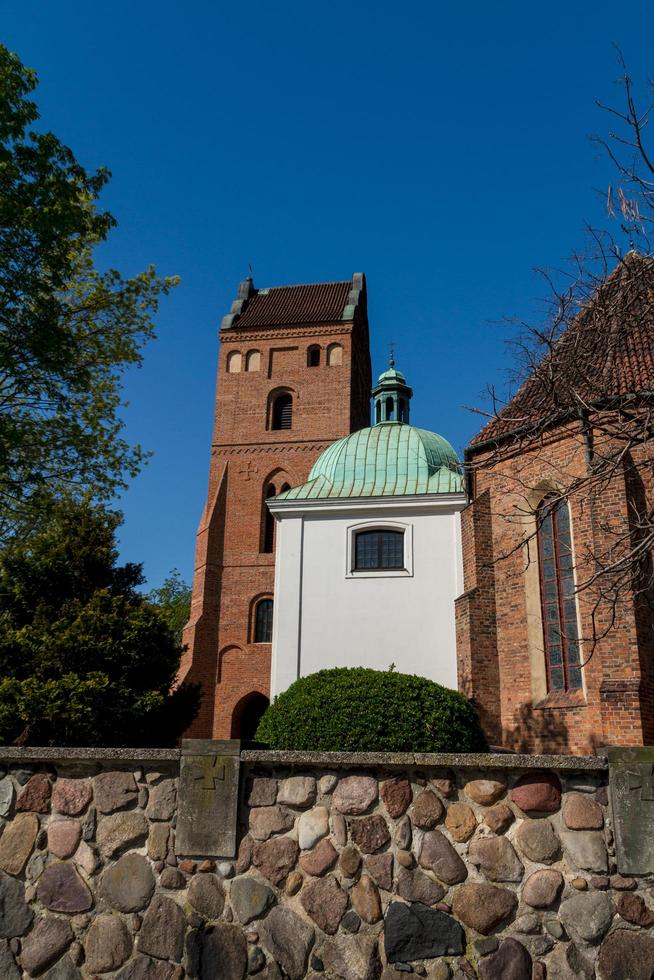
279 306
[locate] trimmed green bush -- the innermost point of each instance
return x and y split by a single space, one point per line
361 710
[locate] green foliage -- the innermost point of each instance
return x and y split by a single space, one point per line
67 331
361 710
173 600
85 658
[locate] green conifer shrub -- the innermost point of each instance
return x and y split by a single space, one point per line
361 710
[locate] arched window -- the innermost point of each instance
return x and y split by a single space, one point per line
402 411
313 356
282 412
379 549
390 410
253 360
268 536
378 417
263 620
557 592
334 355
234 362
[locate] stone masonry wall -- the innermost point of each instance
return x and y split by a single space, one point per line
497 868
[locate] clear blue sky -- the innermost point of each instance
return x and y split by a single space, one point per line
439 148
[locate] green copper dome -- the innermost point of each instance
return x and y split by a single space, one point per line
389 459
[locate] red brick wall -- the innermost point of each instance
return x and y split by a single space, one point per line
617 705
231 571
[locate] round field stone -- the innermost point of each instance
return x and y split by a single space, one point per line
6 796
537 792
312 826
438 855
275 858
61 889
365 900
354 959
416 886
585 849
460 821
268 820
222 953
380 869
17 841
354 794
288 938
250 899
63 837
71 796
325 902
206 895
320 859
128 884
396 796
172 878
511 962
542 888
8 968
121 831
415 932
626 954
580 812
293 883
496 858
499 818
427 810
483 907
162 801
350 861
46 942
484 791
403 834
587 915
370 833
537 840
297 791
35 795
566 962
162 932
15 914
327 783
262 791
158 841
107 944
339 829
632 908
114 791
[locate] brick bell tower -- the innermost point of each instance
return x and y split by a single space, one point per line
293 376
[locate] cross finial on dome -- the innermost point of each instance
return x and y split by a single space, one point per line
391 360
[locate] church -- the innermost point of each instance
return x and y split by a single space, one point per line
327 541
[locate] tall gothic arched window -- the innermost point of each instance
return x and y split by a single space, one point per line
557 592
263 621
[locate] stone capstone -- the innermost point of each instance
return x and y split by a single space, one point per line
496 858
537 792
538 841
380 868
297 791
632 908
275 858
268 820
511 962
114 791
15 914
262 792
320 859
585 849
416 886
61 889
312 826
18 839
120 831
358 960
484 791
626 954
580 812
128 884
206 895
162 932
354 794
396 796
438 855
370 833
483 907
542 888
250 899
325 901
365 900
71 796
499 818
288 938
107 945
587 915
35 795
460 821
415 932
162 801
49 938
63 837
427 810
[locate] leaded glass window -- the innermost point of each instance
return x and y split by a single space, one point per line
263 621
560 623
378 550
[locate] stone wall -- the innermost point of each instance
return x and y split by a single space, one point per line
496 867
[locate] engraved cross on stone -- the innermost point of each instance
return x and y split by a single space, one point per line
249 470
210 776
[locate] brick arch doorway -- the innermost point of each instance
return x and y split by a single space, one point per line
247 714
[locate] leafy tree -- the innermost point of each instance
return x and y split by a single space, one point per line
67 330
173 600
85 659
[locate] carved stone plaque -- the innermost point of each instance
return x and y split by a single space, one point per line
631 782
208 798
